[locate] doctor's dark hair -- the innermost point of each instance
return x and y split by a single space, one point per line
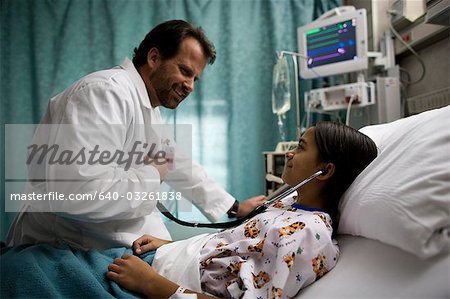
167 37
350 151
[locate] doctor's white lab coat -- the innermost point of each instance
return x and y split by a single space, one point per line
111 109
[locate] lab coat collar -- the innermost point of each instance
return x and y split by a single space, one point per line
128 66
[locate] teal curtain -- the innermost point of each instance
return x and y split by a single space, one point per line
46 45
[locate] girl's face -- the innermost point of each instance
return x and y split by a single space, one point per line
302 161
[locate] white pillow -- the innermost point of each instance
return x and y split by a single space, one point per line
403 197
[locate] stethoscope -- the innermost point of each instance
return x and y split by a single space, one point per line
282 192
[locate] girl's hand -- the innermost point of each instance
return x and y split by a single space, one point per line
147 243
132 273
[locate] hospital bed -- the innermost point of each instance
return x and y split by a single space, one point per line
393 232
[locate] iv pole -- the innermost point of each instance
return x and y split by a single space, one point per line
298 131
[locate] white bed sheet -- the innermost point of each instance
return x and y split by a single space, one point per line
371 269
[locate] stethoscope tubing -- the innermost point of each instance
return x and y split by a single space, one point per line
282 192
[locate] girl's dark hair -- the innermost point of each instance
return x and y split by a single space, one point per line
350 151
167 37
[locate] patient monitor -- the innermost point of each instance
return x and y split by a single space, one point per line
334 45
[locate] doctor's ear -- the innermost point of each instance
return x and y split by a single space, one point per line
329 171
153 57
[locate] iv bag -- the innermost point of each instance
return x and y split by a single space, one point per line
281 88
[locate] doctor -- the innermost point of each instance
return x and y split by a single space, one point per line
115 111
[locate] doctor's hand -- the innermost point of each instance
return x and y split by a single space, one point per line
160 165
147 243
250 204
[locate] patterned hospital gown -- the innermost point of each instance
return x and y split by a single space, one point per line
272 255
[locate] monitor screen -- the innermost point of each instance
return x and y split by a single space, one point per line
335 45
331 43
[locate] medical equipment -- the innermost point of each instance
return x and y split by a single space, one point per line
334 44
339 97
284 191
274 165
281 92
337 43
281 57
281 87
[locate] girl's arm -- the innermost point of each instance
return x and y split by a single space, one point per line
136 275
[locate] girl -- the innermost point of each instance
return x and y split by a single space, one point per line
274 254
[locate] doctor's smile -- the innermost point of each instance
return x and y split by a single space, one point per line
171 80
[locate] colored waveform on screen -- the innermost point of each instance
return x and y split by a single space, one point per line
331 44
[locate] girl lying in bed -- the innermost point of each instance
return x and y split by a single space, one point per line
273 254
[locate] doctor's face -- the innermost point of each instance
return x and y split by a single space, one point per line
173 79
302 161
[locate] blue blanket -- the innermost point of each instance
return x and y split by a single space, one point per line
44 271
